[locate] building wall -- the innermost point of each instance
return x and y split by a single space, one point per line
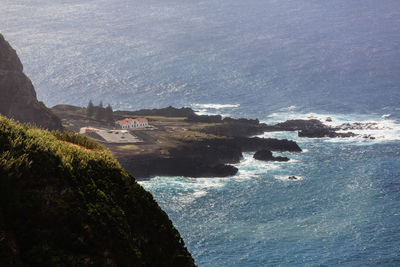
134 124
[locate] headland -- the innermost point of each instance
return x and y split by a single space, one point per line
178 142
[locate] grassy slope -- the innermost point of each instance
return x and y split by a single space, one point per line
65 201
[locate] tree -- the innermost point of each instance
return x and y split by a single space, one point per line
109 114
100 112
90 109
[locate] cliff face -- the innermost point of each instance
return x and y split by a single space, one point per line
17 95
65 201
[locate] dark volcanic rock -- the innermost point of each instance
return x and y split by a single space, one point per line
359 126
17 95
194 159
242 121
236 128
223 170
309 128
206 158
166 112
204 118
323 132
147 166
295 125
266 155
256 143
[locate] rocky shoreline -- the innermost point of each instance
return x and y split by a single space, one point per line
186 144
209 158
316 129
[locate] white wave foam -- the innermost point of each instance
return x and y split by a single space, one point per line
250 164
216 106
284 116
374 128
190 188
245 175
200 193
382 130
280 135
290 108
214 109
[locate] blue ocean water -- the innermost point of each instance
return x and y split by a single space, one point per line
269 59
262 54
343 211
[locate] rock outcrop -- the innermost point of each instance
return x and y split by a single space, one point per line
266 155
17 94
208 158
229 126
309 128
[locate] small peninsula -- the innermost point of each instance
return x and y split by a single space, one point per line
179 143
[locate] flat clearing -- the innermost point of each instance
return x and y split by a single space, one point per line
164 134
112 135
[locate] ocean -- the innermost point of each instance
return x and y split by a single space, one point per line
266 59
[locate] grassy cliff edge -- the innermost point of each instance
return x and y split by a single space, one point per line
65 201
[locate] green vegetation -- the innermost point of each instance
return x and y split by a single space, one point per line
99 112
90 109
204 126
108 114
189 136
65 201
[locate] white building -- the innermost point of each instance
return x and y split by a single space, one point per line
133 123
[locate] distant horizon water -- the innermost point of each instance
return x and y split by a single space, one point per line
264 55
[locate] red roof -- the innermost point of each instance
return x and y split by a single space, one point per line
126 121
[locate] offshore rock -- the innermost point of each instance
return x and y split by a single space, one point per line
266 155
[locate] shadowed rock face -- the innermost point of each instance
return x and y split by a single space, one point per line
266 155
17 95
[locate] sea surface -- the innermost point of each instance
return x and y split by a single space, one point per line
267 59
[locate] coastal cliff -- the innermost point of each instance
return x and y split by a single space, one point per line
17 94
65 201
